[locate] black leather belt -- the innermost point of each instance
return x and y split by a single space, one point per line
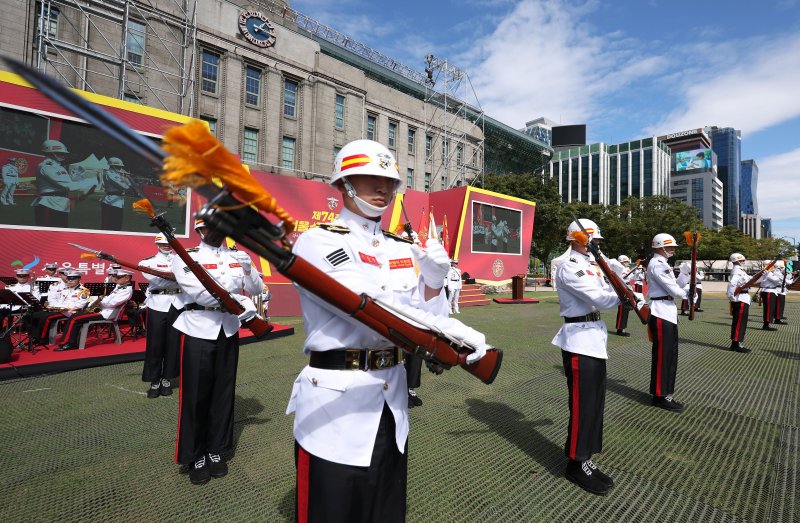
667 298
165 291
115 193
357 359
61 194
593 316
196 307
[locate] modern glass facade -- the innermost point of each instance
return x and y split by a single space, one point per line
748 187
726 142
608 174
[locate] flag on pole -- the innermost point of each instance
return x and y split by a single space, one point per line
422 230
445 236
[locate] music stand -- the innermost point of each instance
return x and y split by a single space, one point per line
8 280
44 286
23 300
138 296
96 288
144 285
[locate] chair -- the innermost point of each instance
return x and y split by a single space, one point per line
133 314
111 323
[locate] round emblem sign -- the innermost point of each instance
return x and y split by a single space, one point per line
256 28
498 268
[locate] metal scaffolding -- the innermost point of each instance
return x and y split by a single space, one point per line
139 51
452 123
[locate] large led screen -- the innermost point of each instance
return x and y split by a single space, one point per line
694 159
496 229
62 174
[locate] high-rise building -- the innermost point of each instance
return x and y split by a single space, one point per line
540 129
727 144
766 227
748 186
608 174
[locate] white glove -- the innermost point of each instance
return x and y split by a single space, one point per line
480 352
434 263
244 259
639 296
249 308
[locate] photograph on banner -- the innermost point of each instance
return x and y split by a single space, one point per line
59 173
496 228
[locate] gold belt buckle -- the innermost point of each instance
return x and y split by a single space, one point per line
352 359
382 359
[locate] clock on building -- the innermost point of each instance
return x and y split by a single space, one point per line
257 28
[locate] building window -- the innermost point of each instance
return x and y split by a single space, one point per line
444 151
50 27
250 145
336 151
412 137
287 153
130 97
210 72
134 43
459 155
289 98
444 182
212 124
339 117
372 124
252 85
428 146
410 179
427 182
392 134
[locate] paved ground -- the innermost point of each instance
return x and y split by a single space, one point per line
88 446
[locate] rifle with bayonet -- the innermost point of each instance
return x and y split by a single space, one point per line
135 266
624 292
692 239
239 218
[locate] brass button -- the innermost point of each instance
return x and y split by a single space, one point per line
385 385
314 381
375 242
383 287
364 226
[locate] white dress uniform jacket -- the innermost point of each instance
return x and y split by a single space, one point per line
161 302
53 183
72 300
453 280
738 277
582 292
115 185
661 282
228 272
111 306
771 281
337 411
785 287
55 290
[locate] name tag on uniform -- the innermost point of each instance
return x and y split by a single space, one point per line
372 260
162 266
403 263
209 265
234 265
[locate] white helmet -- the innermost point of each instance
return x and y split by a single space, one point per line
623 259
737 257
664 240
198 223
365 157
116 163
54 146
779 264
589 225
160 238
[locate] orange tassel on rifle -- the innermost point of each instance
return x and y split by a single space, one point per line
689 236
196 158
144 206
580 237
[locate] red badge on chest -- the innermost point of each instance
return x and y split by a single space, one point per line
234 265
210 265
403 263
372 260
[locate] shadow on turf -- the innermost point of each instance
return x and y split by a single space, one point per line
512 425
618 387
244 411
721 346
785 354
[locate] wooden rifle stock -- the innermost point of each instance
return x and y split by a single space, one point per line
623 291
136 266
749 283
257 325
693 277
258 234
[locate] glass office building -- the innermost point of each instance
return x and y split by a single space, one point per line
727 144
608 174
749 184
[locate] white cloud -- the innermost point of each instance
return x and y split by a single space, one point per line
776 176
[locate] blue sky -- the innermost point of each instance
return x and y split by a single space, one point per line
626 68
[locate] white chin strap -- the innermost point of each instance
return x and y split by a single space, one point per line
373 211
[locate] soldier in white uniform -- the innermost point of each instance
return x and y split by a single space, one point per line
61 302
57 287
350 402
161 356
53 183
115 182
662 289
770 284
583 338
10 181
790 277
780 293
453 282
209 355
23 284
110 308
49 276
620 268
740 303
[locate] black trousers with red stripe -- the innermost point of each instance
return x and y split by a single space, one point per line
413 371
699 299
780 307
162 353
664 363
335 493
40 323
741 312
623 310
769 304
207 394
73 328
586 382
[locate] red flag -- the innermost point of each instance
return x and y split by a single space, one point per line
422 230
445 236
